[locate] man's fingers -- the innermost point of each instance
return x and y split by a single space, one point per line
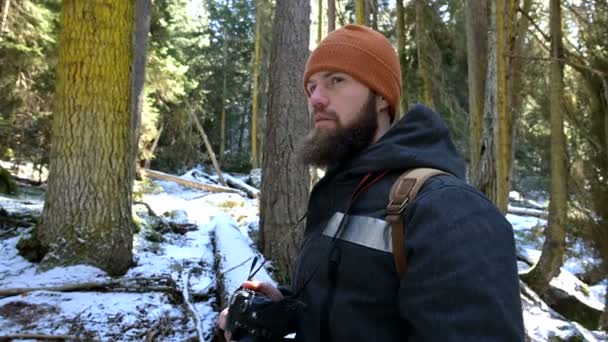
265 288
222 320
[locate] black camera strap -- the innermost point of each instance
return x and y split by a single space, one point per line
252 273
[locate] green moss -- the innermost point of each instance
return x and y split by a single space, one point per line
30 248
7 184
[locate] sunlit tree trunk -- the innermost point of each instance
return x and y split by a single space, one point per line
424 71
331 15
360 11
256 86
401 49
551 259
477 60
285 182
87 211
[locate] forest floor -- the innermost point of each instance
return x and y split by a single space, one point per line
186 269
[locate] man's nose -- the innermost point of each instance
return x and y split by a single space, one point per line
318 99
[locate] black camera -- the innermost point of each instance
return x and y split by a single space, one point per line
254 317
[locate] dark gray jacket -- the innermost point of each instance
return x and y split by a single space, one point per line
461 283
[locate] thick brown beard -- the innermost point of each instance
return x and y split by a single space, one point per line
323 148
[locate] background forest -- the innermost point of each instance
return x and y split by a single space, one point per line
523 85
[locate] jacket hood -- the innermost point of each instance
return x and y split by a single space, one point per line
420 139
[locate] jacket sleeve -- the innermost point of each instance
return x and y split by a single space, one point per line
461 283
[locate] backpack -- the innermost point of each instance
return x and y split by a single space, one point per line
403 192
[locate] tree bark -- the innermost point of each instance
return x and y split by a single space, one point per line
143 16
504 115
402 57
495 150
486 180
360 12
224 90
424 71
256 86
477 60
551 259
320 21
87 212
331 15
285 182
374 11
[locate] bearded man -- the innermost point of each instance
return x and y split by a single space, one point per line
461 282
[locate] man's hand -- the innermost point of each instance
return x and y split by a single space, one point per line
265 288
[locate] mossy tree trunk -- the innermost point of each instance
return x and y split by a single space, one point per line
87 212
360 12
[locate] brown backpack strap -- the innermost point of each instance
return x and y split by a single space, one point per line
403 192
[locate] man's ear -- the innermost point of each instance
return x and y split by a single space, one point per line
381 104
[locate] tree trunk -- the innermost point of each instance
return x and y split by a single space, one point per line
495 150
242 129
374 10
331 15
551 259
5 8
320 22
402 57
485 180
87 212
143 16
360 11
424 71
477 60
285 182
504 117
224 90
256 86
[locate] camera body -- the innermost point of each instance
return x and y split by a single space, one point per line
254 317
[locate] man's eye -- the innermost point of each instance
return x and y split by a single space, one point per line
311 89
336 79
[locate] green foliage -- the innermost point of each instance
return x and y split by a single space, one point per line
7 184
28 57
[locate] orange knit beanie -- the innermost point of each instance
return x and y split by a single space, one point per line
365 55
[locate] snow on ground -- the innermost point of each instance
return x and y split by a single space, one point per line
136 316
220 244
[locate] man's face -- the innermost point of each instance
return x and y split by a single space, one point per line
335 99
343 116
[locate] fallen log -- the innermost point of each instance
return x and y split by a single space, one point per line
528 212
38 337
139 285
237 184
191 184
